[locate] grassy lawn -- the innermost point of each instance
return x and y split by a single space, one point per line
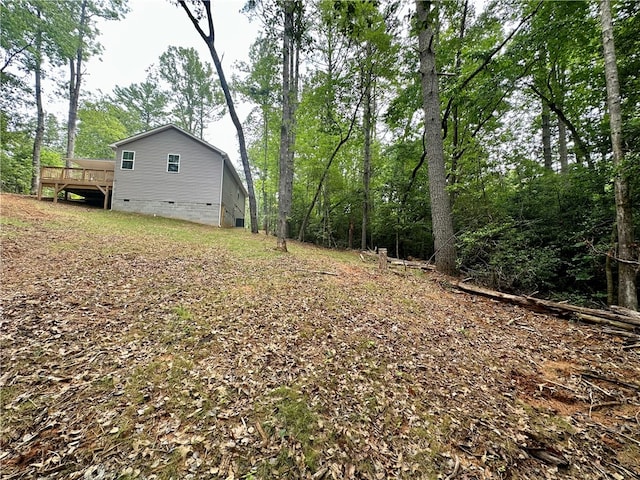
142 347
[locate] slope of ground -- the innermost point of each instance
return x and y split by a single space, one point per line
137 347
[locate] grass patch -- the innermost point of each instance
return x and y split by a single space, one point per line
182 313
14 222
292 421
295 418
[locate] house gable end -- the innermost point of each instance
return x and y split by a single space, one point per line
176 175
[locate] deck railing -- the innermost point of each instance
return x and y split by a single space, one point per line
76 175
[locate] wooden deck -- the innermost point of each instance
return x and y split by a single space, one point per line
86 182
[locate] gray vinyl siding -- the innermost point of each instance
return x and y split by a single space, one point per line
233 199
191 194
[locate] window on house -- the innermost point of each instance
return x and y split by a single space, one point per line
173 163
127 160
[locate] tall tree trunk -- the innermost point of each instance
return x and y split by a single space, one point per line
75 83
608 269
366 166
294 59
253 211
546 136
37 142
457 147
351 229
285 181
563 152
627 264
445 250
265 204
559 80
210 41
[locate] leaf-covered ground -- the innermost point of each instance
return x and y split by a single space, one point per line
137 347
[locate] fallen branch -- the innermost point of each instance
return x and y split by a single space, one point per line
604 321
319 272
604 405
588 311
615 381
603 317
411 264
621 333
456 467
549 457
613 432
625 311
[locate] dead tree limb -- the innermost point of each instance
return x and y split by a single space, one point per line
618 319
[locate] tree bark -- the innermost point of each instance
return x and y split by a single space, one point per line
75 83
559 82
366 163
608 269
265 203
37 142
285 163
627 272
241 140
563 152
445 250
546 136
351 229
210 42
294 60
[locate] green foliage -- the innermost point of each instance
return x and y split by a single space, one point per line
196 99
101 124
540 231
295 419
15 161
145 104
16 147
627 41
508 257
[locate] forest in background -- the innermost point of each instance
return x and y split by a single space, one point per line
529 169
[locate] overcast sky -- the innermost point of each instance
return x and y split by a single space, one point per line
133 44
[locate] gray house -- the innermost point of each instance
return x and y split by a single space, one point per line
171 173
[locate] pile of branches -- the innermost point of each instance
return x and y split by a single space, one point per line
619 320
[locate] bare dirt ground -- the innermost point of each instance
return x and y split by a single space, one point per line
136 347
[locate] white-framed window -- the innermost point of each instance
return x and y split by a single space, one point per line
173 163
128 158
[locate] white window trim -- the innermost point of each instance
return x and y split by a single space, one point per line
133 160
169 163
